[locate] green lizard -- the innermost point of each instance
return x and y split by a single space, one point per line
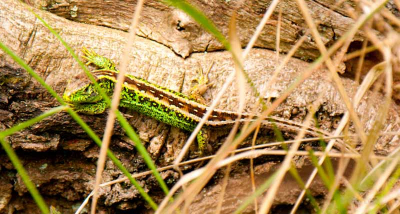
160 103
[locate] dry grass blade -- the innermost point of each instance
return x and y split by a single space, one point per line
189 194
332 69
358 53
262 146
267 202
258 153
253 182
241 88
278 35
307 73
395 194
372 192
218 97
369 27
259 28
377 169
343 121
186 147
378 125
240 78
361 61
374 73
114 105
227 83
203 120
84 203
343 163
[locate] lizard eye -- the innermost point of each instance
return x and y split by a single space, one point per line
88 90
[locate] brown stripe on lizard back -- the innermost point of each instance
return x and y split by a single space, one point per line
169 98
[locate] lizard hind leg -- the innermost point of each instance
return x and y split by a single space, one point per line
202 141
201 85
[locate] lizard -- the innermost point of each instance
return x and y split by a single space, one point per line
165 105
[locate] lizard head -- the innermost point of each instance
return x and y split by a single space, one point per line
81 90
86 94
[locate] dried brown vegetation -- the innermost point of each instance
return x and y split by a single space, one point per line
169 50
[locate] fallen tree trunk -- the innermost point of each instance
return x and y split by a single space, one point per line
59 156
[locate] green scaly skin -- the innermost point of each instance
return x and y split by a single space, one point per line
88 100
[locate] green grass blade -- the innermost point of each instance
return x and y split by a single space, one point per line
388 187
261 189
142 150
200 18
114 159
25 178
72 52
297 177
17 163
321 172
31 72
328 166
75 116
121 119
209 26
32 121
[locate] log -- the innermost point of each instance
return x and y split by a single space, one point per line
59 156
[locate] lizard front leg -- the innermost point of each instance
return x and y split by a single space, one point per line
90 108
101 62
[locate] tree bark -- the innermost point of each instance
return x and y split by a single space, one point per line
169 51
178 31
